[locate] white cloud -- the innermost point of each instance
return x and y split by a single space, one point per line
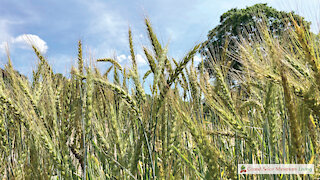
141 60
197 59
122 57
25 41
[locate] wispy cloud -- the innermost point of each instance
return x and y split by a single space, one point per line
5 34
122 58
107 24
4 29
125 60
62 63
141 60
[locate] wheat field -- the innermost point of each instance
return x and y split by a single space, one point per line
97 125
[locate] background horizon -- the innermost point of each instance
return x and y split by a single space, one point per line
55 28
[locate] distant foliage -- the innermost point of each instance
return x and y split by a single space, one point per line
236 24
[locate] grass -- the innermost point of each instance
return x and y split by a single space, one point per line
191 126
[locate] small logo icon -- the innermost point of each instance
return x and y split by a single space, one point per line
243 169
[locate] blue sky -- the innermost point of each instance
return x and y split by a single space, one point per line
56 26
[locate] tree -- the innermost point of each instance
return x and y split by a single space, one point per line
244 22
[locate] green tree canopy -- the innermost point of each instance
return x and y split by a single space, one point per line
244 22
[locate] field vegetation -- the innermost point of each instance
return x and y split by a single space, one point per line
103 125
